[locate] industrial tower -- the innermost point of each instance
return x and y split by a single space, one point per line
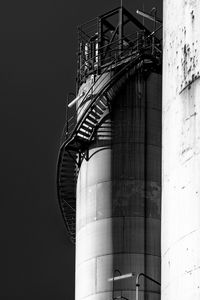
181 151
109 163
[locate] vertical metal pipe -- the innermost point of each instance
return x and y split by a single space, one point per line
137 282
137 287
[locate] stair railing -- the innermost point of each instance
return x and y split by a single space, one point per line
138 285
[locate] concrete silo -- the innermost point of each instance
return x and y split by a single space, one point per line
109 166
181 151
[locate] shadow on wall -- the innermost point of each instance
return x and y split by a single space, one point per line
136 183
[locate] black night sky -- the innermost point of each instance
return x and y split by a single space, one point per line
38 69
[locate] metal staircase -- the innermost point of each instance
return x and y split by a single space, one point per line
66 185
81 131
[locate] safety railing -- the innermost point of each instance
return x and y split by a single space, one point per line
141 44
93 57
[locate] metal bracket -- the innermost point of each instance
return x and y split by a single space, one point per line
87 155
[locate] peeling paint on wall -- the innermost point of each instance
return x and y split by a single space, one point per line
181 151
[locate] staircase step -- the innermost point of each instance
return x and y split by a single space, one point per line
66 173
65 179
103 100
70 194
101 105
90 118
74 201
98 110
66 194
63 185
83 131
87 128
68 177
68 164
67 158
72 221
72 204
69 186
88 122
95 115
68 206
83 136
68 167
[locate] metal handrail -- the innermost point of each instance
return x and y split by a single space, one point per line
111 50
130 35
137 282
143 38
117 57
113 290
116 42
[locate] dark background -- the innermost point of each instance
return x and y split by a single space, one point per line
37 70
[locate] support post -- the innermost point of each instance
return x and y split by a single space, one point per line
115 271
137 282
120 30
67 110
100 25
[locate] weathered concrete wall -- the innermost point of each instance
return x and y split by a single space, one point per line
181 151
118 197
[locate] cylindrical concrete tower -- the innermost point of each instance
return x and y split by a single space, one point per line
181 151
118 196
